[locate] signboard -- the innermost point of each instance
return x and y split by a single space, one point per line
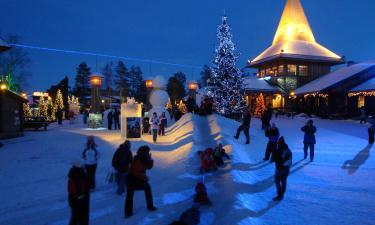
133 127
131 114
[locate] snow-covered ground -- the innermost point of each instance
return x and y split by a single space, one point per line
337 188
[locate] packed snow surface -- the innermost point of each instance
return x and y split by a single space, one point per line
337 188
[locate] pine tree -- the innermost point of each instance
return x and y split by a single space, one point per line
175 89
180 76
261 107
135 80
82 86
122 84
205 75
108 77
226 81
43 107
26 110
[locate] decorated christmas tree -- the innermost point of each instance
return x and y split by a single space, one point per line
182 107
51 110
169 105
43 107
226 82
59 103
261 107
26 110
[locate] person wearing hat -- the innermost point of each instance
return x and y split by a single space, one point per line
78 194
283 161
309 139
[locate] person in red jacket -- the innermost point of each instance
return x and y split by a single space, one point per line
138 180
79 194
207 161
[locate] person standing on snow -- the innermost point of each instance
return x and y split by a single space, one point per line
121 161
163 124
116 117
137 180
273 136
363 116
91 156
110 119
154 121
78 195
245 127
309 139
283 161
371 131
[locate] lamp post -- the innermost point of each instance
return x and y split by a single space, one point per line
193 86
95 116
149 87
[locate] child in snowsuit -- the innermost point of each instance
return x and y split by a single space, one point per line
207 161
219 154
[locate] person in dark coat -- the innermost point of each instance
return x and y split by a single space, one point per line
78 194
245 126
59 116
116 117
309 139
371 132
363 116
138 180
110 119
121 161
85 116
273 136
219 154
283 161
190 104
163 124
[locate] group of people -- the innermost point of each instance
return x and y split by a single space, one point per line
211 159
131 177
113 117
158 125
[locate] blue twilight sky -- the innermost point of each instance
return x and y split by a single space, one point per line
179 31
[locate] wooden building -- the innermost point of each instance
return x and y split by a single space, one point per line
294 58
11 114
328 95
362 95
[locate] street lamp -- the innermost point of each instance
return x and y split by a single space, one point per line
3 87
149 84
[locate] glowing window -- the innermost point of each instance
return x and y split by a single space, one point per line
361 101
292 70
303 70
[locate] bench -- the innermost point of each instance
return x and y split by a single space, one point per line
35 123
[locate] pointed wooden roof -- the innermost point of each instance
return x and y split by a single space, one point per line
295 39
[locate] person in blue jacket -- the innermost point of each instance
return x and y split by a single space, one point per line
309 139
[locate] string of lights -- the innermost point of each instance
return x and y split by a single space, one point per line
105 56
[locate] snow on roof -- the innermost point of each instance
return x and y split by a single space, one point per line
333 78
294 38
366 86
255 84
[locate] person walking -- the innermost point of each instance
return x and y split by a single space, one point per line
309 139
363 116
273 136
283 161
154 121
110 119
121 161
116 117
245 126
78 194
163 124
138 180
371 132
91 156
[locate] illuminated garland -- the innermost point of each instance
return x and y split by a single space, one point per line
362 93
325 96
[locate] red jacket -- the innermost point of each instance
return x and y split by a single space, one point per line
138 168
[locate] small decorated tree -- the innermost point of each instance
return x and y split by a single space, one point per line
182 107
51 110
59 103
43 107
26 110
261 107
169 105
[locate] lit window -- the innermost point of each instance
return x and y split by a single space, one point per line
361 101
303 70
281 70
292 70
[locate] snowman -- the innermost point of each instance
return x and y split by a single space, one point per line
159 97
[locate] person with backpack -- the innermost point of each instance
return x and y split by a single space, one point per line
91 156
121 161
78 194
273 136
283 162
138 180
309 139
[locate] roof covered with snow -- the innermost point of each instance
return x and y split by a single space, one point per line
366 86
295 39
255 84
335 77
